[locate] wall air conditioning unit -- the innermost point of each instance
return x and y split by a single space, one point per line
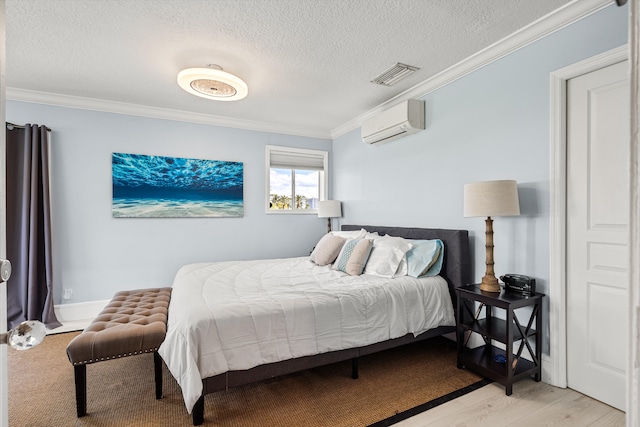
400 120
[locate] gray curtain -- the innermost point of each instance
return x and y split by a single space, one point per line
29 290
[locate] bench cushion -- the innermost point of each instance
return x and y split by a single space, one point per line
133 322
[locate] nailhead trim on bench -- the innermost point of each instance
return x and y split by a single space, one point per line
85 362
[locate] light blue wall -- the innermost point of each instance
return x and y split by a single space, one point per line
97 255
491 124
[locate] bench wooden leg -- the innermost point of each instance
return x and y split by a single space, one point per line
157 367
354 368
80 373
198 411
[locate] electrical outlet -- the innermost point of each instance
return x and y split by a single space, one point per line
68 294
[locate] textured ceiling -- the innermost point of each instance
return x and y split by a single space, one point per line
308 63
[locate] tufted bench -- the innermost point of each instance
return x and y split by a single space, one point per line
134 322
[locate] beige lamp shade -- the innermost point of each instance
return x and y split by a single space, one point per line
329 209
491 198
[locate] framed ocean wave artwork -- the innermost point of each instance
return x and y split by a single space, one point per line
174 187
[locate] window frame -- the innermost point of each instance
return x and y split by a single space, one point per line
302 153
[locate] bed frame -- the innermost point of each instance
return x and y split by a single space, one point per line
456 269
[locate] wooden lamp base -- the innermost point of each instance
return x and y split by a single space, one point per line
489 281
490 284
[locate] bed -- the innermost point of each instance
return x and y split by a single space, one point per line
234 323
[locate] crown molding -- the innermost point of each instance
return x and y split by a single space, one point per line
544 26
550 23
36 97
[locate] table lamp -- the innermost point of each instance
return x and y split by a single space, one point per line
488 199
329 209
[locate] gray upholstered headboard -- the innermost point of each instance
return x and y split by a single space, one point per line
456 267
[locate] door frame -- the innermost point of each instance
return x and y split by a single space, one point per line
4 393
633 385
556 372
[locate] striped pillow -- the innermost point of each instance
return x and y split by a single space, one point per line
353 256
359 257
345 253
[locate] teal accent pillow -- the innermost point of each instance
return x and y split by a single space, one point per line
425 258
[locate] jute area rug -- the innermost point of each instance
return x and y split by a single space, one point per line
121 392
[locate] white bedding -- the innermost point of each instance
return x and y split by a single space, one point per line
227 316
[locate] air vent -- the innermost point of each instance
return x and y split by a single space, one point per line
394 74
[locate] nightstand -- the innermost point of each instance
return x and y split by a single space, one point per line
488 360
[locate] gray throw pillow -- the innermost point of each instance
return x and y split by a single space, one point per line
327 249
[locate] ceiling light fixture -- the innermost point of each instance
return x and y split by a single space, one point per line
394 74
212 83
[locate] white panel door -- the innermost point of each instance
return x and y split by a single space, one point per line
597 233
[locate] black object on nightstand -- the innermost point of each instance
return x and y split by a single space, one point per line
491 362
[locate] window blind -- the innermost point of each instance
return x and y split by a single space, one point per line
296 160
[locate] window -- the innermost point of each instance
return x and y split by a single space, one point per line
296 179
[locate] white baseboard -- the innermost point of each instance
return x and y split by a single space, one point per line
77 316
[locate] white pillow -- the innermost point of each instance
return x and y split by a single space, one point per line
386 255
402 268
356 234
402 244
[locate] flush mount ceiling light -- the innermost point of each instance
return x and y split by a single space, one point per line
212 83
394 74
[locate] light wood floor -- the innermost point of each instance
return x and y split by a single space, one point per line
531 404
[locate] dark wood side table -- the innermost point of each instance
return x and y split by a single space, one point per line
486 359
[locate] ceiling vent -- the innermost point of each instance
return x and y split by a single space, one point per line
394 74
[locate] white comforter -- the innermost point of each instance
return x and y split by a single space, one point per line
227 316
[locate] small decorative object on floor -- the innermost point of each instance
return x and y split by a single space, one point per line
500 359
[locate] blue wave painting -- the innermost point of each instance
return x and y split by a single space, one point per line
174 187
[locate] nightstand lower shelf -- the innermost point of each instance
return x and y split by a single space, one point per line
512 321
481 360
